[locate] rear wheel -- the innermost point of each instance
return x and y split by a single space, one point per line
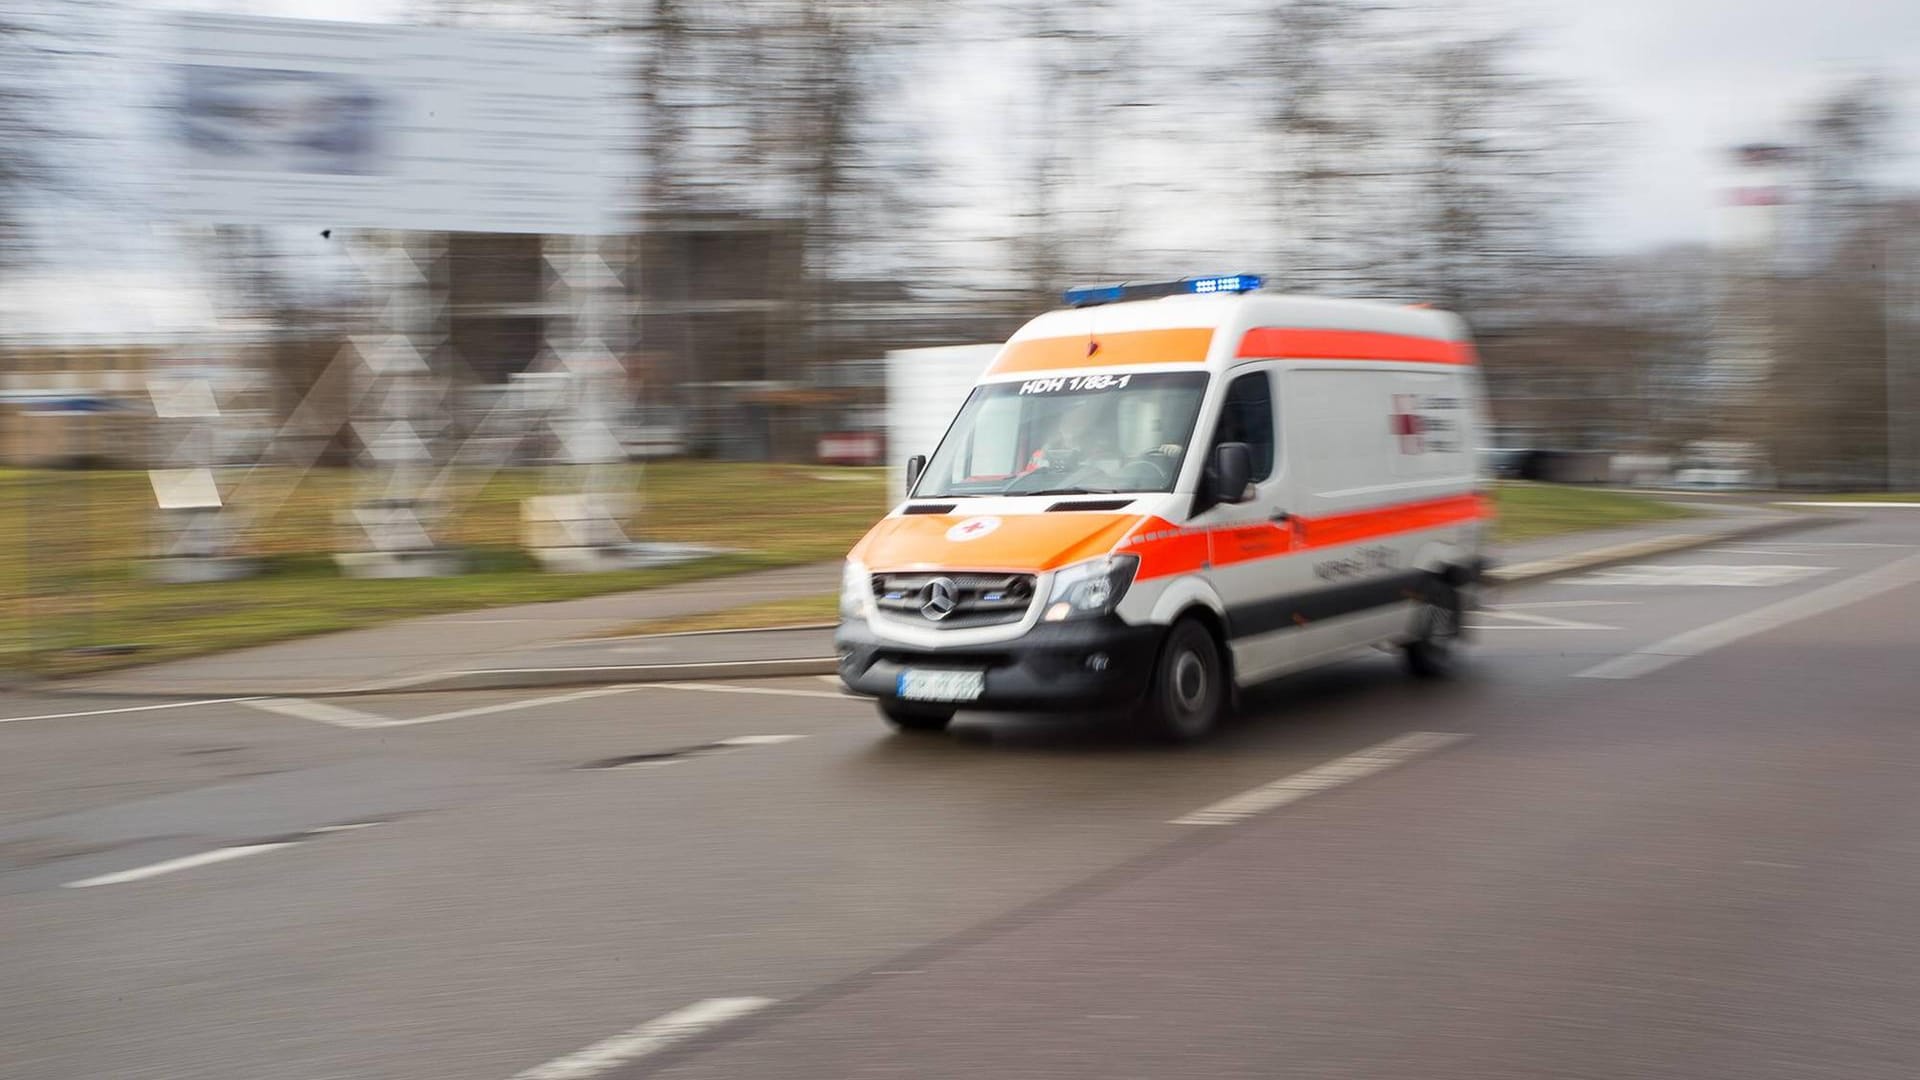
912 716
1435 653
1189 688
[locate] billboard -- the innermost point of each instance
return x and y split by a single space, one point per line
351 125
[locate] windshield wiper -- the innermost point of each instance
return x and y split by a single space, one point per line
1069 491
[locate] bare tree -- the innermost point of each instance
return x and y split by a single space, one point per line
1826 418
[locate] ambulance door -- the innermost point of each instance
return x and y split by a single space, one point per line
1342 445
1248 541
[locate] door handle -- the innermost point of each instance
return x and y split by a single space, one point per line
1280 517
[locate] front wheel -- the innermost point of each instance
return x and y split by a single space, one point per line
1435 653
1189 687
910 716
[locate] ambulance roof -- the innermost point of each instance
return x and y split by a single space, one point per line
1221 328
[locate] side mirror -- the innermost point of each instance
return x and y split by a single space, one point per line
1230 472
916 465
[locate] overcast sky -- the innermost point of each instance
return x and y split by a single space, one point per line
1684 78
1690 77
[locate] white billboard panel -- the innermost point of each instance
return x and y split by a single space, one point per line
353 125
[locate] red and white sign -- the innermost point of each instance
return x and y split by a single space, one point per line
854 448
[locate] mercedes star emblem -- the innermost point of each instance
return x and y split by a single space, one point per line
942 597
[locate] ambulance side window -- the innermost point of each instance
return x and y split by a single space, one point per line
1247 417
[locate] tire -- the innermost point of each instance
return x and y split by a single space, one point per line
914 717
1189 690
1435 653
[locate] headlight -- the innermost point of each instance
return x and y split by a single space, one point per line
1092 588
856 591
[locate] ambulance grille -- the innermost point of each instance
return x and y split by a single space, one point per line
978 599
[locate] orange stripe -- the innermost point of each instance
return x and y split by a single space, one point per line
1121 349
1276 341
1360 525
1166 549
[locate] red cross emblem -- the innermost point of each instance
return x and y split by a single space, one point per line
1406 425
972 529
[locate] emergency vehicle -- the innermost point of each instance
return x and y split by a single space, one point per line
1168 492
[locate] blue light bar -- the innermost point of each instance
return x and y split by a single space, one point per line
1090 295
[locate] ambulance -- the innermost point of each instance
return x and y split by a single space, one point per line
1168 492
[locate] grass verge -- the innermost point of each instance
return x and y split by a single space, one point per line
1857 496
1533 511
72 546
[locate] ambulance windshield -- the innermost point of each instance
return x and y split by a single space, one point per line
1099 432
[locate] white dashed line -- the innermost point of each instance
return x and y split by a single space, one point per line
649 1038
153 870
129 709
718 688
1341 770
339 716
510 706
209 858
1531 621
320 712
1707 638
758 740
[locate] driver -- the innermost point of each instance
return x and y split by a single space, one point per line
1080 438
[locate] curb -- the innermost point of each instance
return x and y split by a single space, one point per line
1600 558
542 678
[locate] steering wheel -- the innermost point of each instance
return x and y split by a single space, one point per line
1147 473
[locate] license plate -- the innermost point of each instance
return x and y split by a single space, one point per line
941 685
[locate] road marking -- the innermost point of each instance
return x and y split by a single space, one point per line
320 712
758 740
1859 505
1322 777
1707 638
1688 575
152 870
209 858
649 1038
510 706
1534 604
130 709
306 709
1833 544
717 688
1533 621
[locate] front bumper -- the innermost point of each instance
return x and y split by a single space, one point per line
1054 666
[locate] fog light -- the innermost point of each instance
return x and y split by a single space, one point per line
1097 661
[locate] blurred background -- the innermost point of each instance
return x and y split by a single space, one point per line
474 291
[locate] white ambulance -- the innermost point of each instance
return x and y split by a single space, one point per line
1171 491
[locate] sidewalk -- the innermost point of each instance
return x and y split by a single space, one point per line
540 645
410 648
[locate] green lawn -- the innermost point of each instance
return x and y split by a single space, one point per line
1531 511
72 545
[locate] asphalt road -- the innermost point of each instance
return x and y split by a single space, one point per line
1667 826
